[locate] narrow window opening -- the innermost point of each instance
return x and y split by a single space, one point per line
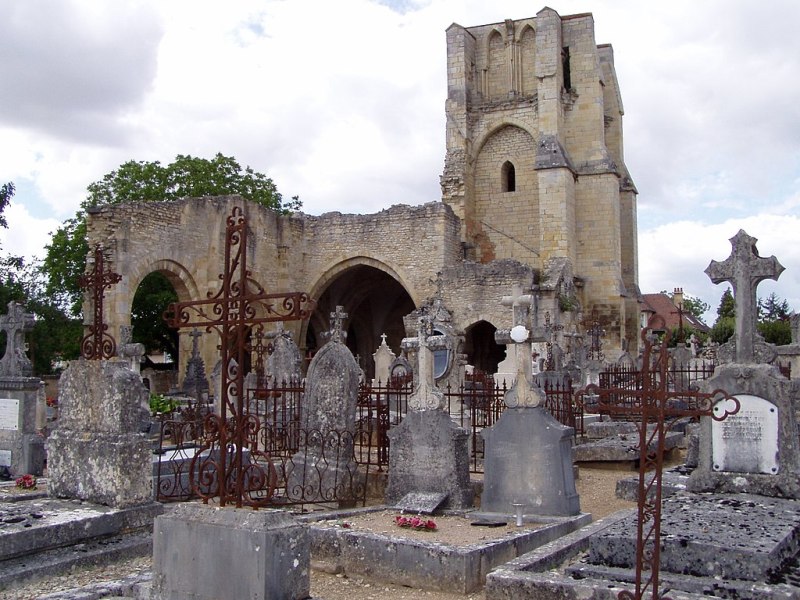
565 64
508 177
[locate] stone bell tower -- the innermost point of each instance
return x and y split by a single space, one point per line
534 165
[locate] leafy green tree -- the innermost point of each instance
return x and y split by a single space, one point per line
773 319
727 305
141 181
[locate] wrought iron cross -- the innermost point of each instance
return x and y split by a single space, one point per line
744 269
596 333
233 311
648 398
97 343
551 330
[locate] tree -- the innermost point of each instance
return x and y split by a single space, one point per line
773 319
727 305
141 181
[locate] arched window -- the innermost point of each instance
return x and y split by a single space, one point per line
508 177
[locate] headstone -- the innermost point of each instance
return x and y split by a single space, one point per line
229 554
756 450
22 399
195 383
428 452
97 452
325 467
528 454
285 361
383 358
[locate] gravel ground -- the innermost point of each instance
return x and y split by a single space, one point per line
595 486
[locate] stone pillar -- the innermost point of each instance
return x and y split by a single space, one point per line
21 444
98 452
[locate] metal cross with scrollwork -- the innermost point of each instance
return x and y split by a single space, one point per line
98 343
646 397
237 312
552 331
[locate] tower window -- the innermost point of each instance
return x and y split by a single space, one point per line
508 177
565 64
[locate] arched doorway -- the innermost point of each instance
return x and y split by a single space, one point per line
375 303
482 351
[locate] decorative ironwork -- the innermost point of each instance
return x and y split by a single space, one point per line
596 333
232 466
648 396
98 343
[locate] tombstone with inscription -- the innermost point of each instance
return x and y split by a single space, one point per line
98 453
22 399
324 468
429 458
528 454
755 450
285 360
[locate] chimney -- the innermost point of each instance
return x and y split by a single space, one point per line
677 297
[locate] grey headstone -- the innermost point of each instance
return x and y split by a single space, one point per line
97 452
22 404
428 453
528 460
284 363
746 442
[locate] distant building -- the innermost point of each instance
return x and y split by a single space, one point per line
668 308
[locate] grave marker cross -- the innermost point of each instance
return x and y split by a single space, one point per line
240 305
744 269
648 398
97 343
15 323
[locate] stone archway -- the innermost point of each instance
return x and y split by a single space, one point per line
375 302
482 351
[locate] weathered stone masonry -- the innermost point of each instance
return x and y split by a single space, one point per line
534 191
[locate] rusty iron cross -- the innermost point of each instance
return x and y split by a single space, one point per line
648 399
237 312
98 343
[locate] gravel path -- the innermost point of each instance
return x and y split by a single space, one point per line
595 486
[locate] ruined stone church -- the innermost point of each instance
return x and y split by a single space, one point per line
535 193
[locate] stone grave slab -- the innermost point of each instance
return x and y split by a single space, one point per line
604 429
620 448
737 536
746 442
421 502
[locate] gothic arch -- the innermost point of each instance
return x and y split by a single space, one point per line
497 84
506 122
176 273
527 58
333 271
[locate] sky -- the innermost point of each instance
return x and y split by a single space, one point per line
342 103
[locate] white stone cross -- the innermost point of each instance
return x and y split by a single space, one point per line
523 392
15 323
426 396
744 269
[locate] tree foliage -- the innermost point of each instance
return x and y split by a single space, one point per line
773 319
142 181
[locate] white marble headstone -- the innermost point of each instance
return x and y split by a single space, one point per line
746 442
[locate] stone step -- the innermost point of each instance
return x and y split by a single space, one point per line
60 560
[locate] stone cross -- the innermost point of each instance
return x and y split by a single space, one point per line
15 323
337 333
523 392
744 269
426 396
195 334
520 335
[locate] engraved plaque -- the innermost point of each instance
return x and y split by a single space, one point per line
746 442
5 458
9 413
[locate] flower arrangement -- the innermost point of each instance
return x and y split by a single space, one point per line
26 482
51 401
418 523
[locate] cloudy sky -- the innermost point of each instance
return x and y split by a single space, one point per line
342 102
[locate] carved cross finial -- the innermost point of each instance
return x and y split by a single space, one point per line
15 323
383 339
195 334
744 269
337 325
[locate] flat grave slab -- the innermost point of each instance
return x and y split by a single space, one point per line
737 536
620 448
423 564
421 502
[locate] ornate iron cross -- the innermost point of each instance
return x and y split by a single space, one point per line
97 343
647 397
239 306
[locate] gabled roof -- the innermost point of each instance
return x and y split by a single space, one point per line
662 304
